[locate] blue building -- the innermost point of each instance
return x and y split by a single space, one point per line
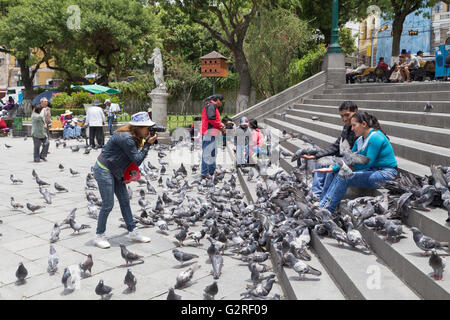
417 31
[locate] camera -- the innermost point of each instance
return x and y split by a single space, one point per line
156 128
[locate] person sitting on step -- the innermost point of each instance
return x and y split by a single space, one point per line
373 143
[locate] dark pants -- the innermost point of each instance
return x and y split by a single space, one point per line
37 146
350 77
96 132
110 125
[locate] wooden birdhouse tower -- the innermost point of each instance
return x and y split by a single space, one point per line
214 65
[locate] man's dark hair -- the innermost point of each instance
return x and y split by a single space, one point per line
198 119
381 59
348 105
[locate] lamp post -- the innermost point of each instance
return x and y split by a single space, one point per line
334 46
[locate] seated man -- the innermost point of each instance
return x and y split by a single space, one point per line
382 165
419 56
350 77
383 65
321 180
411 64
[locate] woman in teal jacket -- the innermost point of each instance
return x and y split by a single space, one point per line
382 167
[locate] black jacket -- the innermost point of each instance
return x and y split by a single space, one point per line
333 150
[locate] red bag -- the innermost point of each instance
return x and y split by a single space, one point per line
131 173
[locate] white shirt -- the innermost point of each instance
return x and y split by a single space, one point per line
361 68
95 117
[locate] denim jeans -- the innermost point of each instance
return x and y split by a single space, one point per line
110 125
37 145
362 179
108 186
209 152
321 182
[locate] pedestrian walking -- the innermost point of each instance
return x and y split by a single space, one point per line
39 134
111 111
95 119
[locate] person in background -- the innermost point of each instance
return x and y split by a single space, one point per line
258 147
382 166
95 119
350 77
111 111
39 134
243 141
211 129
47 114
383 65
70 125
411 63
229 125
123 149
4 130
419 56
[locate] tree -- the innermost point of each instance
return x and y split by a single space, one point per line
347 41
398 10
273 40
228 22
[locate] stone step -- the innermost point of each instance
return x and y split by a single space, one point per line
422 153
406 260
402 105
439 120
431 135
392 87
324 288
430 222
397 96
349 268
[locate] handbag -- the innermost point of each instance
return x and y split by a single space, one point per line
131 173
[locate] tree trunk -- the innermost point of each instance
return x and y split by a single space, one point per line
397 29
245 80
27 80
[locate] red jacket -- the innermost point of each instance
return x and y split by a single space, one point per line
3 124
211 119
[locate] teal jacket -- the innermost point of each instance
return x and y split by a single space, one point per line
379 150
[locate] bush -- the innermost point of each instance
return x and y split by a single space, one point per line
307 66
62 100
80 98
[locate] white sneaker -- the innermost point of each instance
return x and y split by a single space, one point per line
101 241
136 236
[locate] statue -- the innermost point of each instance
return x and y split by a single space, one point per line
158 70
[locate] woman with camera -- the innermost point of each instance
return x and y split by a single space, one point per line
126 149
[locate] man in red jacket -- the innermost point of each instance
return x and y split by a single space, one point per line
212 127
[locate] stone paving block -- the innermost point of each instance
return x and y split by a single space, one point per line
8 274
19 244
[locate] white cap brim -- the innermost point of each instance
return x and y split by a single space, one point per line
148 123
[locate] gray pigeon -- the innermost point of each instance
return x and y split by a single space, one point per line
393 231
130 280
426 243
172 295
300 267
54 236
14 180
41 182
217 264
65 277
77 227
183 256
438 265
102 290
260 290
181 236
73 172
129 256
184 277
33 208
21 273
60 188
210 291
87 265
15 204
52 260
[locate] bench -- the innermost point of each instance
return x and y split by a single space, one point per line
368 74
56 128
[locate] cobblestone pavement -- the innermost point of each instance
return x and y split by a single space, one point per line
25 236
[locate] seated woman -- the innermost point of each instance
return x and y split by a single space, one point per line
382 167
3 127
71 128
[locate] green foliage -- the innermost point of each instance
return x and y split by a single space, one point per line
307 66
76 112
272 41
80 98
136 90
347 41
62 100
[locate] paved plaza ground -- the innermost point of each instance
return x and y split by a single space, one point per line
25 236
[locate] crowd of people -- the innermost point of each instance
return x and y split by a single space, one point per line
401 72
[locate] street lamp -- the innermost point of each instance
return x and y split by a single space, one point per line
334 46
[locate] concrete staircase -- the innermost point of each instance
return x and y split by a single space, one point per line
419 139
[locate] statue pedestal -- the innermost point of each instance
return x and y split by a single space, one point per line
159 112
334 66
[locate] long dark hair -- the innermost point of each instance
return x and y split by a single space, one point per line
37 109
371 121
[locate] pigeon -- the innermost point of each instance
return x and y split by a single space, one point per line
61 167
130 281
34 173
315 118
150 188
87 265
93 210
65 277
172 295
87 150
354 237
54 236
52 261
181 236
428 107
217 264
76 227
197 236
130 193
46 195
73 172
163 171
91 185
210 291
14 180
260 290
60 188
33 208
437 263
183 256
102 290
393 231
21 273
129 256
300 267
75 148
426 243
41 182
7 146
15 204
184 277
